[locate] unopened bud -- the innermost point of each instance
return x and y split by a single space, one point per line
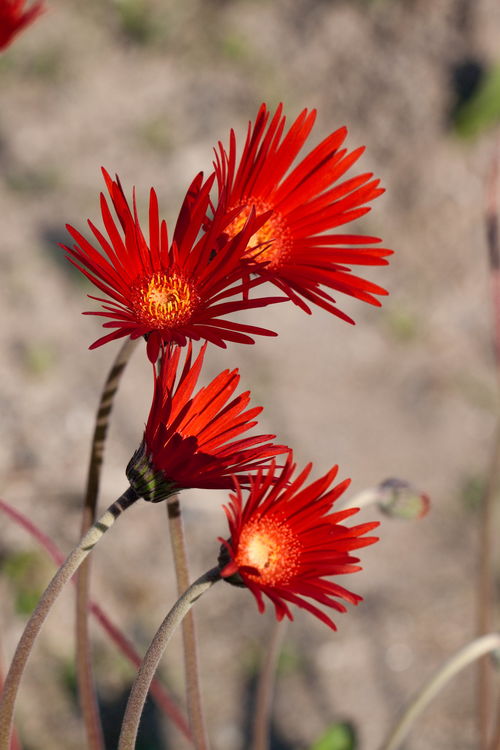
400 499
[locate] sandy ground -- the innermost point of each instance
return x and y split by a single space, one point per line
409 392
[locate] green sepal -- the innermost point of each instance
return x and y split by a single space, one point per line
150 484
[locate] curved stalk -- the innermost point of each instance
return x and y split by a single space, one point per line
154 653
34 624
159 694
86 689
363 499
396 498
15 743
468 654
193 691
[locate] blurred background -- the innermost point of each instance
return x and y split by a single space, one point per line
146 88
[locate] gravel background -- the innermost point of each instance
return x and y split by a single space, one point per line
146 89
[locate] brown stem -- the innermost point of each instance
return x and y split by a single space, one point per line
154 653
485 591
48 598
86 688
265 688
495 745
487 521
193 692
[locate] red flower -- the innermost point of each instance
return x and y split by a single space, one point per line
13 18
192 440
168 293
295 248
284 543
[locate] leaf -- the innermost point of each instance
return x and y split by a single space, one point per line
26 572
338 737
483 109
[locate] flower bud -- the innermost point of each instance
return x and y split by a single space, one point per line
400 499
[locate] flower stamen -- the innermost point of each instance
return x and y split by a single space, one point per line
272 243
270 547
164 300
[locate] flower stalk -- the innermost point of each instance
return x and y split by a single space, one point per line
34 624
485 564
190 644
154 653
158 692
86 689
473 651
265 687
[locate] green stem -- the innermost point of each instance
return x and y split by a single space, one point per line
265 687
34 624
86 689
154 653
193 691
468 654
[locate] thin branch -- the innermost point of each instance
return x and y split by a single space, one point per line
485 586
193 691
86 688
34 624
154 653
265 687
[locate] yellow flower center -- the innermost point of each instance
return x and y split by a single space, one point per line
272 243
163 300
269 546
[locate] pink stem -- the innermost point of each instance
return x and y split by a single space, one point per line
158 692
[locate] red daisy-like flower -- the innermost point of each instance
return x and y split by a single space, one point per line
296 248
169 293
284 541
14 17
193 440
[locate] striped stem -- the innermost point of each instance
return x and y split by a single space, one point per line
86 688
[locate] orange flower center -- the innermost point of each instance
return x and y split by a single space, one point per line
163 300
269 546
272 243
